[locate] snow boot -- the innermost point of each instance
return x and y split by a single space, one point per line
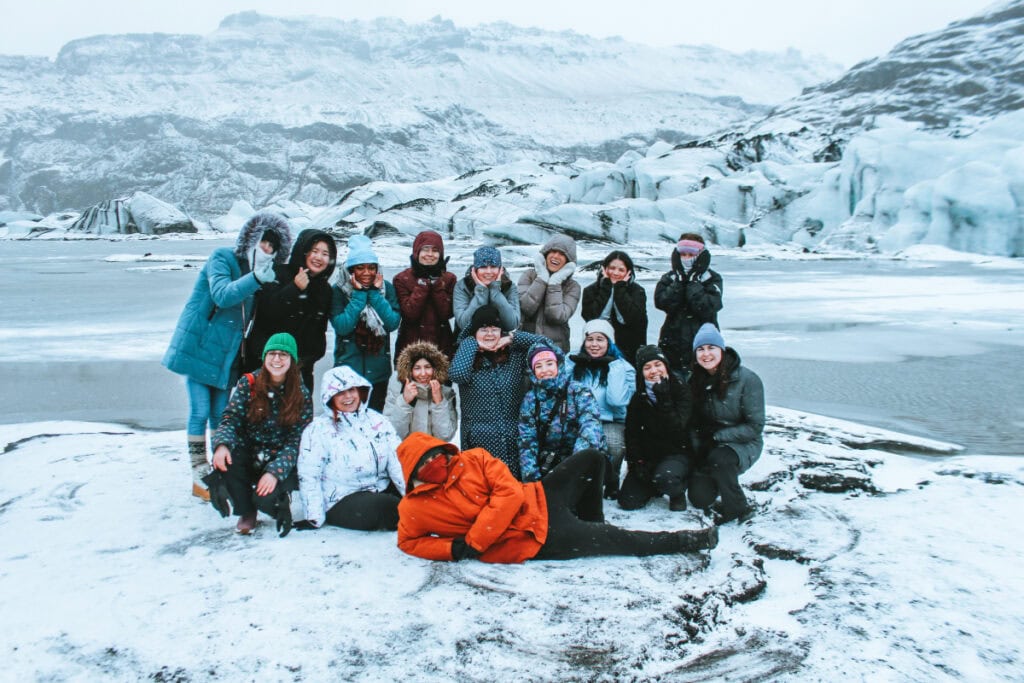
677 503
246 523
740 515
200 466
702 539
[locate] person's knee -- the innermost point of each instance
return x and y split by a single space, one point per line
702 491
724 458
632 501
670 476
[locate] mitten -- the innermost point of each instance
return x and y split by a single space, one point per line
463 551
563 274
541 266
263 266
219 497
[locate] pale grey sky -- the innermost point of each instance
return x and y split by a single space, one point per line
846 32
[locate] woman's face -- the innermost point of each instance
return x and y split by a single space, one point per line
596 345
708 357
422 371
488 274
545 368
346 400
365 274
266 246
318 258
555 260
429 255
616 271
488 336
654 371
277 363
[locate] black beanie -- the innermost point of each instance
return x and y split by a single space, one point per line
645 354
485 316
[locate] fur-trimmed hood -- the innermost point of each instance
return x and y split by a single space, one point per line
422 349
249 235
304 242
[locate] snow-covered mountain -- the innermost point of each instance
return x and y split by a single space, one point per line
266 109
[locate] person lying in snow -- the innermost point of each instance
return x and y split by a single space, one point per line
465 505
257 442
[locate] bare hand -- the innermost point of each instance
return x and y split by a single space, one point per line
302 279
503 342
221 458
410 391
477 280
435 391
266 485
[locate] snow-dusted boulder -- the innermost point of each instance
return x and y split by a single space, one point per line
139 213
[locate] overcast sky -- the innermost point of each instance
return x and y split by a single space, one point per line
846 32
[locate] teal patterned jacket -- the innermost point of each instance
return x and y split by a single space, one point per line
265 441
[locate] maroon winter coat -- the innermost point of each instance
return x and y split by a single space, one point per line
426 304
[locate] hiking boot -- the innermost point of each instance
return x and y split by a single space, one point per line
701 539
677 503
740 516
200 493
246 523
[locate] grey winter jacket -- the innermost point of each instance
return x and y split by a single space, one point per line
737 419
547 303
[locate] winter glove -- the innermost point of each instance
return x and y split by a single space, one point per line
263 266
700 265
463 551
219 497
662 392
541 266
563 274
283 518
304 525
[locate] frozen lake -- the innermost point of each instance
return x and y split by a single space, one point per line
929 347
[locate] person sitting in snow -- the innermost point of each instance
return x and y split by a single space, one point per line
691 295
558 416
257 442
726 427
348 472
467 505
548 294
419 398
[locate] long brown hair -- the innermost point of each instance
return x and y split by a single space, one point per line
291 402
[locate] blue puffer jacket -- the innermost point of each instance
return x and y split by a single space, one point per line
347 305
558 416
209 331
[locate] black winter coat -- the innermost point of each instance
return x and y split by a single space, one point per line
283 307
630 301
657 430
687 304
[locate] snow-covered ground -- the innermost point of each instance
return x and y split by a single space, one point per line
862 564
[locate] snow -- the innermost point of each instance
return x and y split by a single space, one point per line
110 570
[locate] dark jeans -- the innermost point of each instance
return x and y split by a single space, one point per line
378 396
241 479
366 511
576 525
720 476
666 478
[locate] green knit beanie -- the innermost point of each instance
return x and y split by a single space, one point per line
282 341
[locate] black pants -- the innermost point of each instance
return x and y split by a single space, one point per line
366 511
241 478
667 478
576 525
718 477
378 397
307 376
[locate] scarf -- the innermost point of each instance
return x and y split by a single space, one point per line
611 309
370 333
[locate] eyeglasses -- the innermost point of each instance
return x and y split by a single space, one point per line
278 354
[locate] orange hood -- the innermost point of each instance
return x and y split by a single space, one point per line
412 449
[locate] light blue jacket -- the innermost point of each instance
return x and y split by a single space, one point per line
613 396
209 331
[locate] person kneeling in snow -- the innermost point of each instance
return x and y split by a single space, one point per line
464 505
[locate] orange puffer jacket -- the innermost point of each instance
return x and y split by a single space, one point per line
503 518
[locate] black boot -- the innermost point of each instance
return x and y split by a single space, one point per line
677 503
702 539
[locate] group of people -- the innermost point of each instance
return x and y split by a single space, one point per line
543 431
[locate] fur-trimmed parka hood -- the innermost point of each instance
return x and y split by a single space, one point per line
249 235
422 349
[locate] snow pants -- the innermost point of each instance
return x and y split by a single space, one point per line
576 525
666 478
718 477
241 479
366 511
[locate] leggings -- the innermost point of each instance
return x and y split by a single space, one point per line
366 511
205 405
576 525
